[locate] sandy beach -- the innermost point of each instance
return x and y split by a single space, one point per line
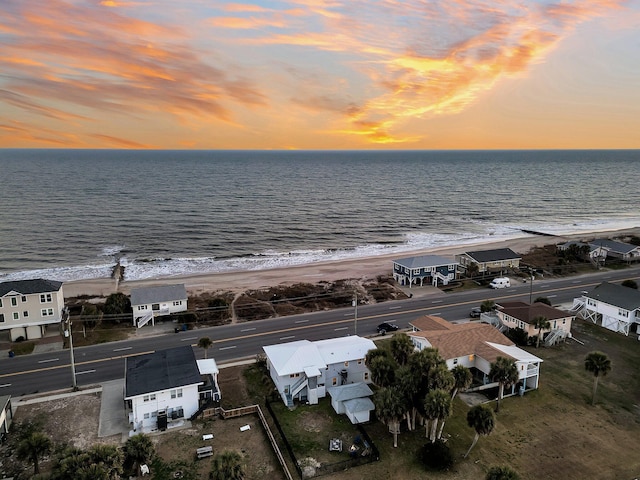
360 268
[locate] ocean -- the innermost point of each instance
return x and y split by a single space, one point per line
71 214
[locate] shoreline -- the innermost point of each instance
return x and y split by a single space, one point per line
357 268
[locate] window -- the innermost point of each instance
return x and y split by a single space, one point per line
452 268
176 393
25 314
155 306
334 381
14 301
24 299
45 297
294 375
146 416
0 303
178 303
346 364
1 317
179 393
360 362
623 313
47 312
142 307
366 376
416 271
152 396
455 361
145 398
154 414
16 315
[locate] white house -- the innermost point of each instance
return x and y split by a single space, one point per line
28 306
303 370
150 302
475 346
353 401
209 373
612 306
161 388
424 269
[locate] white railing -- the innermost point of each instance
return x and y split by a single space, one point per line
142 321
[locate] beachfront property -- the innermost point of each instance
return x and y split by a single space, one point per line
148 303
303 370
620 250
161 388
475 346
424 270
490 261
27 307
522 315
597 254
611 306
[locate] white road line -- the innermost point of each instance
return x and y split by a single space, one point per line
227 348
348 315
341 328
49 360
437 301
5 385
395 308
287 338
301 321
122 349
187 339
577 281
86 371
551 296
248 329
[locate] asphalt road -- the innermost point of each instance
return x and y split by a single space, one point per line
99 363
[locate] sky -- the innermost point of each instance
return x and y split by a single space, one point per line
311 74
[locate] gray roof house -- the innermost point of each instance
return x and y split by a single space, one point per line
161 388
621 250
612 306
424 269
490 260
148 303
353 401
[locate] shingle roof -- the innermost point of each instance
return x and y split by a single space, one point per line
158 294
430 323
616 295
26 287
161 370
525 312
424 261
618 247
496 255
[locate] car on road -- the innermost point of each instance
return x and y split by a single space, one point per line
475 312
387 327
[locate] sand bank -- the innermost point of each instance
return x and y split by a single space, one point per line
360 268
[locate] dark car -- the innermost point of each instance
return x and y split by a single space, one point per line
475 312
387 327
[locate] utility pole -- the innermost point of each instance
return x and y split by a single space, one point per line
67 321
354 303
530 286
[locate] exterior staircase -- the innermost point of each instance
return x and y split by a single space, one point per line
554 337
142 321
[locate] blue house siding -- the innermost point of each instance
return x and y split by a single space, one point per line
424 270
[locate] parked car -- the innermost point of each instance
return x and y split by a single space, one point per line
500 282
475 312
387 327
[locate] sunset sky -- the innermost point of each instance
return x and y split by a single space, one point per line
311 74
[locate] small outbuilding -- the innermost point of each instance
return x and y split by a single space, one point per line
353 401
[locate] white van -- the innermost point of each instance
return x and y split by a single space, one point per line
500 282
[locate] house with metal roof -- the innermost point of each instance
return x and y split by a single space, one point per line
303 370
424 270
27 307
148 303
611 306
161 388
475 346
488 261
353 401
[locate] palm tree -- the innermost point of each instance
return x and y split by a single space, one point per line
109 457
139 449
383 370
487 306
472 270
597 363
32 447
227 466
502 473
541 323
462 379
505 372
437 407
389 409
401 348
407 387
482 419
68 461
205 343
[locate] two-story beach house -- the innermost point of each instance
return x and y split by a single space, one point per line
424 270
148 303
498 260
597 254
612 306
28 306
475 346
303 370
522 315
161 388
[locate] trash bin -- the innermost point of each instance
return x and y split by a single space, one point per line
184 327
11 354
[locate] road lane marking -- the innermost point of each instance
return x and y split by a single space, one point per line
188 339
5 385
341 328
49 360
227 348
436 301
396 307
301 321
85 371
551 296
122 349
248 329
287 338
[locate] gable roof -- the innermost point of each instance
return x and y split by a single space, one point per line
515 352
525 312
424 261
612 245
161 370
26 287
306 356
496 255
343 393
616 295
430 323
157 294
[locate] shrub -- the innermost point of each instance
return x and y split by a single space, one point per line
436 456
518 336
